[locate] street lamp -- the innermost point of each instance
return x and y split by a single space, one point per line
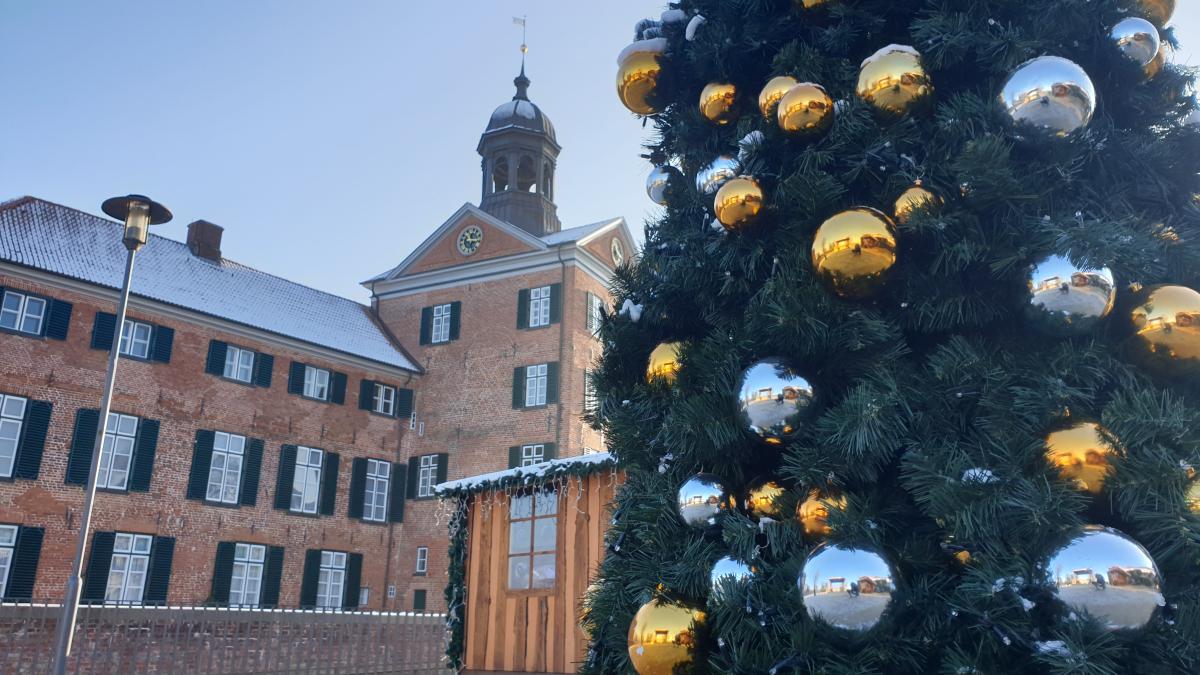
138 213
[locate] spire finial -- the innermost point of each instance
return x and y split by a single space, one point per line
521 81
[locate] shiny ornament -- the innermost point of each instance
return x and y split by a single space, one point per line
915 197
701 499
813 513
664 362
656 183
809 4
771 92
664 637
738 203
727 572
761 496
1081 455
1160 59
1166 322
1066 299
854 252
847 587
1109 575
1049 96
1193 496
1158 11
638 68
806 111
774 400
894 81
1137 39
720 171
718 102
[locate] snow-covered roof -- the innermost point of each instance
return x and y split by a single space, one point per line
578 233
527 474
46 236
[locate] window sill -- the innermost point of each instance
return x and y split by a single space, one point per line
302 514
540 406
541 327
222 505
14 331
379 414
364 521
315 400
237 381
420 574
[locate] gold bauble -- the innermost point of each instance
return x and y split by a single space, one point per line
738 203
809 4
813 513
637 80
664 362
663 636
1158 12
854 251
760 499
1193 496
1166 322
774 90
1081 455
718 102
806 111
915 197
895 82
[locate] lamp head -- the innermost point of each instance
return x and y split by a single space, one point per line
138 212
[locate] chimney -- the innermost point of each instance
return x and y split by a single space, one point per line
204 239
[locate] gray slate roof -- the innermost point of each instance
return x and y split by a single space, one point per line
53 238
576 233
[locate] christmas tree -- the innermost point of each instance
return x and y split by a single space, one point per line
907 378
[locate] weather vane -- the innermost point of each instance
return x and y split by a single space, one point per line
520 21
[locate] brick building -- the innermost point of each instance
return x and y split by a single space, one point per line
272 444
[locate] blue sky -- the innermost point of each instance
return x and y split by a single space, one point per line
327 138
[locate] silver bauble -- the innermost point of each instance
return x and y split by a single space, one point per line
727 572
1137 39
701 499
774 400
1049 96
712 177
656 183
1109 575
1066 299
847 587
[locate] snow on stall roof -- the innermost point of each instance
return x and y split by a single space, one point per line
57 239
576 233
523 473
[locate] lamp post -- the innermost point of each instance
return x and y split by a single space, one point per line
138 213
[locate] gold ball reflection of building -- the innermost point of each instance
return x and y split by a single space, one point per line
813 513
1081 455
761 496
854 251
738 203
718 102
1166 322
915 197
806 111
638 71
664 362
663 636
772 91
1193 496
894 81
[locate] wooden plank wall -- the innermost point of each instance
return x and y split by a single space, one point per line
533 631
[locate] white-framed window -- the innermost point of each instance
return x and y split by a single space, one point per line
364 596
135 339
533 454
532 538
239 365
535 385
332 579
385 399
316 383
427 478
595 313
116 452
12 418
23 313
245 583
422 559
539 306
441 323
225 469
128 568
8 542
375 497
307 483
589 392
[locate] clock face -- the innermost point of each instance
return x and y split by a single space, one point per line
469 240
618 252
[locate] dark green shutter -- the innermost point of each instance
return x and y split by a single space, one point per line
162 553
251 470
329 476
519 387
426 325
550 452
552 383
523 308
22 571
514 456
296 378
443 467
337 388
366 395
353 580
358 487
104 330
272 573
414 476
33 440
143 455
285 478
455 319
419 601
215 363
79 462
310 577
404 403
398 486
58 320
223 572
164 341
95 579
555 303
263 365
201 463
